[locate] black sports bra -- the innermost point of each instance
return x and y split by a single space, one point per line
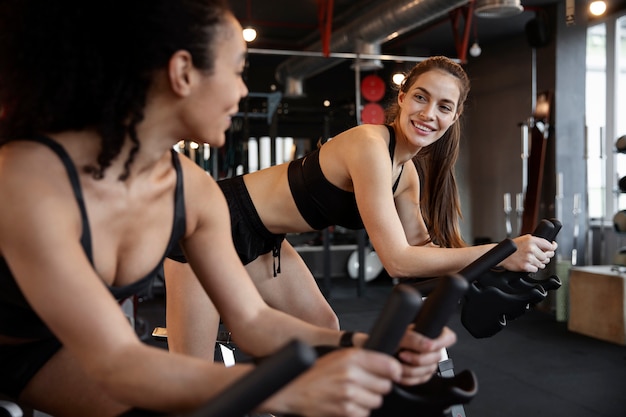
320 202
17 318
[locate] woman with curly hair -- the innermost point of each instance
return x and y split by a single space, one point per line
93 97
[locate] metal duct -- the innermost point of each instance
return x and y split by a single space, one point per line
497 8
386 21
368 48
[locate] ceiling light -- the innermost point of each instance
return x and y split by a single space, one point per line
249 34
475 50
597 8
397 78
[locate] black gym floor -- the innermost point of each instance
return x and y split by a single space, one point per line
535 367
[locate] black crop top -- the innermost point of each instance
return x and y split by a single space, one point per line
321 203
17 318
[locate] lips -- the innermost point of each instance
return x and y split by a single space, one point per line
422 127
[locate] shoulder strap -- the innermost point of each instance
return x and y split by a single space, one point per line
392 150
72 173
180 224
392 141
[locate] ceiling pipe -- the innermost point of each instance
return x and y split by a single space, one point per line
367 48
341 55
498 8
382 23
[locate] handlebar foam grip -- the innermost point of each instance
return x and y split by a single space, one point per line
426 286
399 311
557 227
490 259
440 305
272 373
544 229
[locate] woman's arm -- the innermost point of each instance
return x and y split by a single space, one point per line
191 318
395 226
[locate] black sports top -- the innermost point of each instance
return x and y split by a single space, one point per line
17 318
321 203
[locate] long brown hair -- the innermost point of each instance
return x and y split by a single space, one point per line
435 163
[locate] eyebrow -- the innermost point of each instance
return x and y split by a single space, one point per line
445 100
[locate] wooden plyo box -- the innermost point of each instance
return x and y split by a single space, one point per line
597 303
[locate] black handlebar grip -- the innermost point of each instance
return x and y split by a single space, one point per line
427 286
490 259
440 305
272 373
557 227
544 229
399 311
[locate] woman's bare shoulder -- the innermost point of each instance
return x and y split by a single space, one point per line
34 181
201 191
361 139
27 165
365 131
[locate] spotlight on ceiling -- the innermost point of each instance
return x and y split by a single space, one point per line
597 8
497 8
249 34
398 77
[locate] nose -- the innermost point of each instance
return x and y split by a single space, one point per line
426 112
243 90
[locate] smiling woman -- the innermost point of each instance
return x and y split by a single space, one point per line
395 180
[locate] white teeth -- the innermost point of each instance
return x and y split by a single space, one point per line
422 127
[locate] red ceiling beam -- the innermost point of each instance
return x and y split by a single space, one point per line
461 41
325 20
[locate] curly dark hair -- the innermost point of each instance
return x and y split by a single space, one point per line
73 65
435 163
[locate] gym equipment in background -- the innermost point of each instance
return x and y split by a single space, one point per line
619 218
507 214
373 90
10 409
619 260
620 144
540 132
373 265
